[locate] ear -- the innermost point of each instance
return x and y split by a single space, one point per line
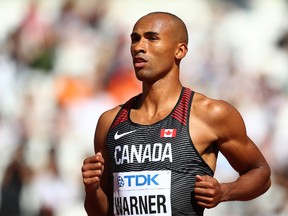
181 51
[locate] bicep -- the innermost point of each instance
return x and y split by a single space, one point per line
240 151
242 156
100 136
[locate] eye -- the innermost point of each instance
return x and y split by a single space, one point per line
135 38
153 38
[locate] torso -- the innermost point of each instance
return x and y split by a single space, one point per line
163 149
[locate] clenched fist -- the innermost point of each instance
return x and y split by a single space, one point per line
207 191
92 171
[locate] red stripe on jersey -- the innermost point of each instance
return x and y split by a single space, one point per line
123 114
181 112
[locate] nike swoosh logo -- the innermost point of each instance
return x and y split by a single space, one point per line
118 136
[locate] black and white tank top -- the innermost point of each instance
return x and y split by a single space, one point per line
154 166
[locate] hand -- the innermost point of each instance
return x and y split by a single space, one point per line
207 191
92 171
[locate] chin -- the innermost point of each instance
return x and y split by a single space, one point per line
145 75
140 78
140 74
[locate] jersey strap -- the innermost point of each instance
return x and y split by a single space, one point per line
181 112
122 115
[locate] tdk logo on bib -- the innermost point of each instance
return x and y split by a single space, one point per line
137 180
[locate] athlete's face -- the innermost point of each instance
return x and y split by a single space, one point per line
153 47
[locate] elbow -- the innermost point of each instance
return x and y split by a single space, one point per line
267 177
269 182
267 185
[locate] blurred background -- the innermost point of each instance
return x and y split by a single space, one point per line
64 62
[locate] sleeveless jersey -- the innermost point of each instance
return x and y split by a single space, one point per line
154 166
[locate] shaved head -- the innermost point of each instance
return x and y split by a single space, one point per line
175 23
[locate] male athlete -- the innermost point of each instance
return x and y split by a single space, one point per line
156 154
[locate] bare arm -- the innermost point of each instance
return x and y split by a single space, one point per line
254 179
242 154
95 170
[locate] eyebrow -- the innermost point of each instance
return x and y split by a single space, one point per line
134 34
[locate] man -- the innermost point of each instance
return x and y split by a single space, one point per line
156 154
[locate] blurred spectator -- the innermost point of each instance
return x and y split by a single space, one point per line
14 178
50 189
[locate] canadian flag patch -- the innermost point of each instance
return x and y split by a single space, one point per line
168 133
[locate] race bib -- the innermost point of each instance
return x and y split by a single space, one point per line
142 193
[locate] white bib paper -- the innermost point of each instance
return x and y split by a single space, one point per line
142 193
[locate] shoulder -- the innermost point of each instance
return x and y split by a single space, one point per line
204 105
103 126
105 120
109 115
219 115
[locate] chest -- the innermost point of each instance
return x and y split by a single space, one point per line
159 146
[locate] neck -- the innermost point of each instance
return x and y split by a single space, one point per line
158 100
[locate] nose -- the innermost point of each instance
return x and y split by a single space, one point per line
138 47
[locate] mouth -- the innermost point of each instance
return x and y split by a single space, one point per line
139 62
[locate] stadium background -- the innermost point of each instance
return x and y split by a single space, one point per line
64 62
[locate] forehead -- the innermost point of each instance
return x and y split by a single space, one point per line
154 23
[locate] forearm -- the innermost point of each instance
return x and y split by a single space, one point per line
96 203
248 186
